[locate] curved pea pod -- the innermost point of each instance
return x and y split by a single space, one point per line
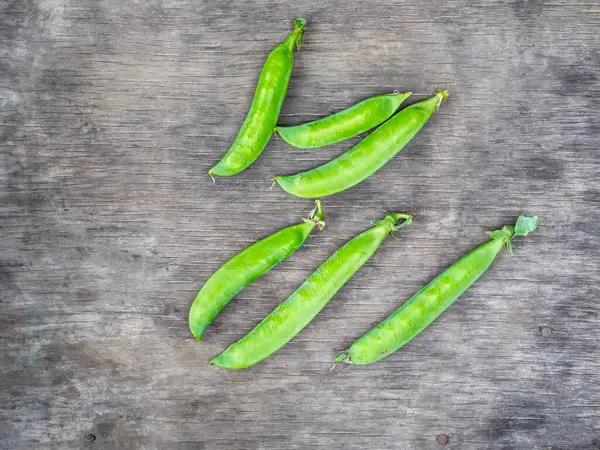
264 111
431 301
291 316
366 157
247 266
344 124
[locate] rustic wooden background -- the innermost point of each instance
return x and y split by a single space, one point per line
113 111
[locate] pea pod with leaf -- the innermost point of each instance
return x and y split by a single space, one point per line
431 301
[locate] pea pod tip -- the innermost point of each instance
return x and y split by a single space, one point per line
282 132
397 216
215 171
217 362
441 96
284 182
343 357
316 215
391 220
299 23
296 36
523 226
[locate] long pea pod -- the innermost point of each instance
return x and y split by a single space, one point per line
366 157
291 316
344 124
431 301
247 266
264 112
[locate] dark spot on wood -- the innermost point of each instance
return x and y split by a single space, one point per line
591 195
505 425
10 320
442 439
12 264
89 438
7 133
545 169
88 131
70 393
577 79
6 276
61 377
545 331
105 429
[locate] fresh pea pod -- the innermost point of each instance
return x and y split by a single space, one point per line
431 301
264 112
365 158
247 266
304 304
344 124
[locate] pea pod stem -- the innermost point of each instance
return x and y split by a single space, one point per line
246 267
264 111
432 300
291 316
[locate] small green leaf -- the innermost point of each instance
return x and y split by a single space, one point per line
525 225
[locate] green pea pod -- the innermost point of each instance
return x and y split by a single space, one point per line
431 301
304 304
247 266
344 124
365 158
264 112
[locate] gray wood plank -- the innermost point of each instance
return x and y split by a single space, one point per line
111 114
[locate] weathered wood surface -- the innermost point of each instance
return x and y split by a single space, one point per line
113 111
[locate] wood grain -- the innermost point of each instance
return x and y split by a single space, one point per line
111 113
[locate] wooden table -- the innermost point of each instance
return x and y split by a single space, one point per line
113 111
